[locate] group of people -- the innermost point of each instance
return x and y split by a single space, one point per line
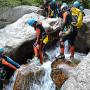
52 8
72 21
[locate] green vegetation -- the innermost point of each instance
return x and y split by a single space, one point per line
13 3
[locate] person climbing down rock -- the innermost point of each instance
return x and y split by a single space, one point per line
67 32
41 39
4 60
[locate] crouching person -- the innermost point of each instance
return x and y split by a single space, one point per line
5 60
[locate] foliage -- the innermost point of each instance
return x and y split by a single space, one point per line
13 3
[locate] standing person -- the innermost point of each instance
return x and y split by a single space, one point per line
41 39
68 32
54 8
4 61
46 4
77 15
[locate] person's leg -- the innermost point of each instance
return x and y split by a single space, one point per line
1 85
61 47
36 49
62 56
41 52
71 42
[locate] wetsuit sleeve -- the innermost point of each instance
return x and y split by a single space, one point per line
12 62
38 34
8 64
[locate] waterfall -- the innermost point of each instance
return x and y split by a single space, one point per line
46 82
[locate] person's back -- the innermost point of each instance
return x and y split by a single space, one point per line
42 30
77 15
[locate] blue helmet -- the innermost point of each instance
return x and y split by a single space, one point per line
31 21
81 8
53 1
76 4
1 50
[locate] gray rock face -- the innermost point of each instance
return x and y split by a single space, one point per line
83 39
15 34
79 79
87 11
12 14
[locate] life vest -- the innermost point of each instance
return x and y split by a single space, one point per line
43 36
51 13
42 30
77 17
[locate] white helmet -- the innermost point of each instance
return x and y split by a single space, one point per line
63 7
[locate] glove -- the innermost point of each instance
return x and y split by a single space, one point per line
65 33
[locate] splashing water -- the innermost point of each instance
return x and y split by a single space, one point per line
46 82
11 82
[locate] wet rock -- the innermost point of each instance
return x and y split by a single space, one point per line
12 14
59 77
83 39
60 72
21 36
79 79
27 76
87 11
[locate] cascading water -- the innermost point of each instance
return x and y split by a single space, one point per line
46 82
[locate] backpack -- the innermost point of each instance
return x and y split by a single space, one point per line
77 17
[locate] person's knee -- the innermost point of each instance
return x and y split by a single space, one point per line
61 44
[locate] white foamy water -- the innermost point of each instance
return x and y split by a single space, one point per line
11 82
46 82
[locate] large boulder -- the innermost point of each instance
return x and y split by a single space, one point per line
87 11
79 79
10 15
60 72
83 38
27 76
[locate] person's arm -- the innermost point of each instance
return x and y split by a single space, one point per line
63 25
12 62
37 35
8 64
64 21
